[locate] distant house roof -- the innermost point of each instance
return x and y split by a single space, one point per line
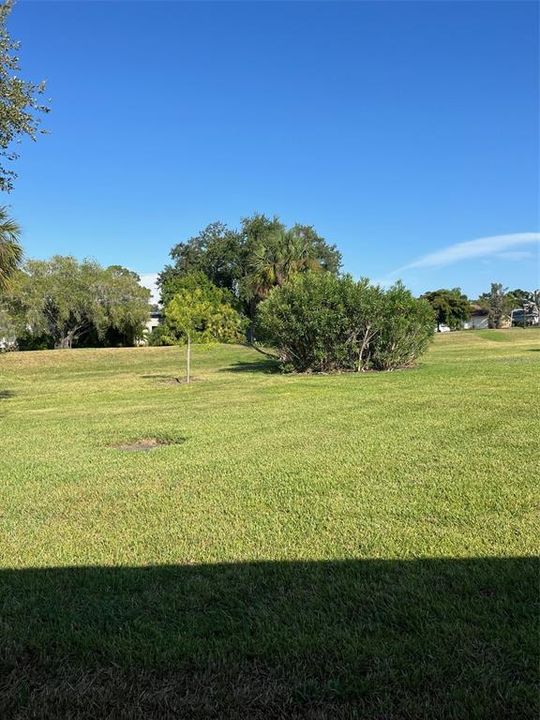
478 310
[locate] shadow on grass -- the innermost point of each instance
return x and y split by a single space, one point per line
353 639
158 377
6 394
260 366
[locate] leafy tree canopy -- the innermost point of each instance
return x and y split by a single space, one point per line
66 299
521 297
216 251
208 315
250 260
451 307
174 283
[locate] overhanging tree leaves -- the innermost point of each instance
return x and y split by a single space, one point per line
20 105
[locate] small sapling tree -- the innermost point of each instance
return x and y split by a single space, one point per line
193 316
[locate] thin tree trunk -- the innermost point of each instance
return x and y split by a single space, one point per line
188 363
367 337
252 307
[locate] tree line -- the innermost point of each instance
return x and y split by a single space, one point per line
222 286
453 308
283 287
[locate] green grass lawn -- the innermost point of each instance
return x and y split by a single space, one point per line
348 546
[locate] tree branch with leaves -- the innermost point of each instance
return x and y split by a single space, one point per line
21 107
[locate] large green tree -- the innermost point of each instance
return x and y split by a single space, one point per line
20 104
216 251
65 300
451 307
273 254
250 260
10 248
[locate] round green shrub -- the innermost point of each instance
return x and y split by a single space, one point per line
322 323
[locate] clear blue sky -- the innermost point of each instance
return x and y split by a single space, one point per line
398 129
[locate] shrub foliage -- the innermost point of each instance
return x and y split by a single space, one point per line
201 310
323 323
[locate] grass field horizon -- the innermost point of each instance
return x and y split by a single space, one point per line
301 546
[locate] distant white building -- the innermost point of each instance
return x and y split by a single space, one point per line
156 318
477 321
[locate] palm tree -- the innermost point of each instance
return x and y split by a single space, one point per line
276 259
11 252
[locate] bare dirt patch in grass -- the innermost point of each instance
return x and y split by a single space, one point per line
146 444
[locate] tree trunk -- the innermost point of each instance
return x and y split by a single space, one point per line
252 308
66 342
188 360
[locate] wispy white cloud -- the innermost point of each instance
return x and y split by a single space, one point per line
495 245
149 280
515 255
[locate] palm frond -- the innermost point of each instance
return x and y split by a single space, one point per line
11 252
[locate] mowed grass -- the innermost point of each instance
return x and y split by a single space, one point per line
348 546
